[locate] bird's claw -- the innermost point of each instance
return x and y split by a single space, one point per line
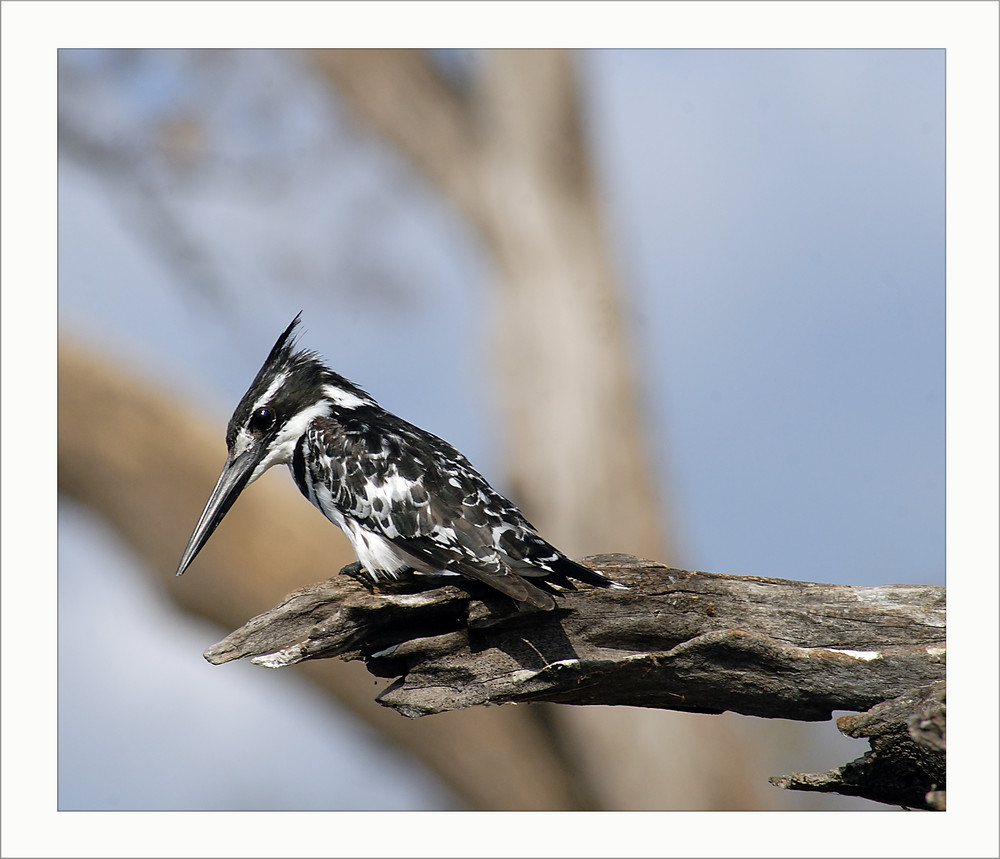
405 583
357 572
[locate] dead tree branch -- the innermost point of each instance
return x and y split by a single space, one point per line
699 642
690 641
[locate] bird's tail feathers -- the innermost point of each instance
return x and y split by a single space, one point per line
564 572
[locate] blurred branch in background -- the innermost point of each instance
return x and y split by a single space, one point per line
151 470
145 209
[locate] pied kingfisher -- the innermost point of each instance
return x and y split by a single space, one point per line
406 499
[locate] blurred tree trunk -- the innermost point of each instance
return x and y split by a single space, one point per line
510 153
509 150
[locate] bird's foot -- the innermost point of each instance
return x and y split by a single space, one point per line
356 571
405 582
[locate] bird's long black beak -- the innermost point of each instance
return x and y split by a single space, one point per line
235 476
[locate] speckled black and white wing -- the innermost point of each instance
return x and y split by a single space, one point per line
407 499
404 498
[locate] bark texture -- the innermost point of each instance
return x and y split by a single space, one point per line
678 640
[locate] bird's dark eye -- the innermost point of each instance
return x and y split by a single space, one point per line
262 420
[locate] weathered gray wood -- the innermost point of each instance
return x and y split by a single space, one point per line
691 641
700 642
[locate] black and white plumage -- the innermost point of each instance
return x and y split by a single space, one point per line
406 499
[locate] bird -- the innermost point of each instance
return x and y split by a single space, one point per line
408 502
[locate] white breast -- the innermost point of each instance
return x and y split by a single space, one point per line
377 555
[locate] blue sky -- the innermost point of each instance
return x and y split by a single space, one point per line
781 217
